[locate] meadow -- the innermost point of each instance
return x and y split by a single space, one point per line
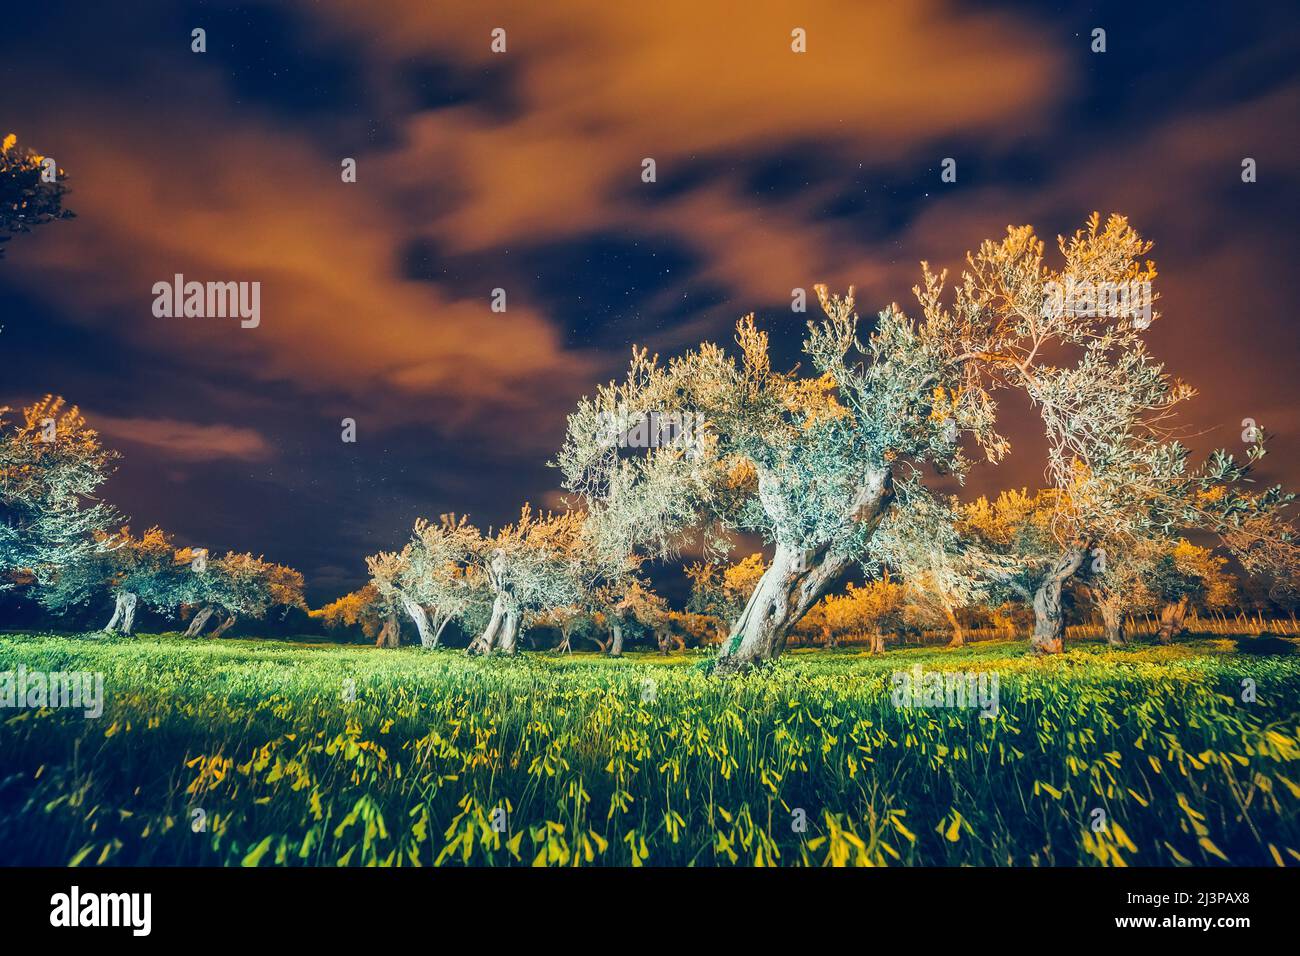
266 753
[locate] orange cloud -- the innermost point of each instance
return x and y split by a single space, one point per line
185 441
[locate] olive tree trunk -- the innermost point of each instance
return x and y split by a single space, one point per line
1172 617
200 619
223 626
785 592
1049 617
502 631
390 635
420 616
792 584
616 639
1112 623
124 605
958 633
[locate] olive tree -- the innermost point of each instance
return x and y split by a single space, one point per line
429 578
534 564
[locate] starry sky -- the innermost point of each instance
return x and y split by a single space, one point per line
521 170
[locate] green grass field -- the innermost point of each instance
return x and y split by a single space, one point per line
243 752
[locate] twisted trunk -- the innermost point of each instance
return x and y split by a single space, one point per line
785 592
124 605
508 635
795 580
502 631
420 616
1172 617
1049 618
616 639
200 619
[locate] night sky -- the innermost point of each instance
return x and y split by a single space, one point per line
522 171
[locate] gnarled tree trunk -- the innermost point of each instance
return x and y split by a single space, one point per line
1049 618
616 639
502 631
421 618
390 635
1172 617
785 592
792 584
124 605
200 619
508 635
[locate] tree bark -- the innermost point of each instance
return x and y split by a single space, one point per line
223 627
200 619
1049 618
421 618
124 603
1172 617
390 634
785 592
508 636
877 643
484 643
1112 622
616 639
792 584
128 616
958 634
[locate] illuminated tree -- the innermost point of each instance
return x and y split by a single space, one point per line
634 604
133 570
51 466
810 462
236 585
873 609
362 608
535 564
429 578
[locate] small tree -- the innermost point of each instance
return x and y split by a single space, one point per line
535 564
51 466
130 569
429 578
236 585
362 608
873 609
